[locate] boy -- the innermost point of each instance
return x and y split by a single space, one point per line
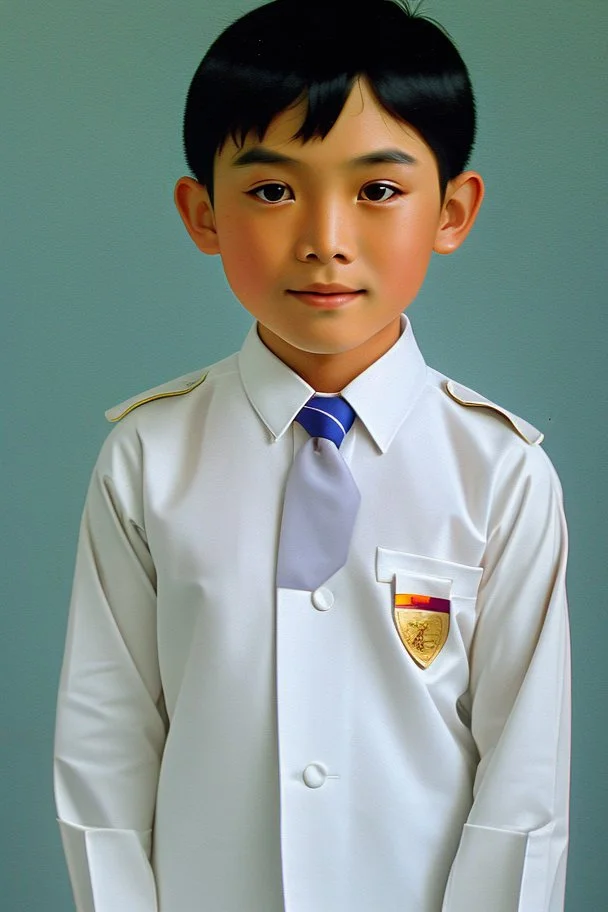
274 701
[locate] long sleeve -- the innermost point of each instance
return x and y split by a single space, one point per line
512 853
110 719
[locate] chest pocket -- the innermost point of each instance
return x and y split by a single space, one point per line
432 603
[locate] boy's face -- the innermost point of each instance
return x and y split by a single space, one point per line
325 243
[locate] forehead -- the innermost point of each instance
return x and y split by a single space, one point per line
363 127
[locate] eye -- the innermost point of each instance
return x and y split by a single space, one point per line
272 193
379 192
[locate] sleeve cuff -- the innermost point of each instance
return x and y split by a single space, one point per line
109 869
505 871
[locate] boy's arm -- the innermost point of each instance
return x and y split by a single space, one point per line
512 853
110 726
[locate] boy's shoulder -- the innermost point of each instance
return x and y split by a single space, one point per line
180 386
490 439
472 400
480 414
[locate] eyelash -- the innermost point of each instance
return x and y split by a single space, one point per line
275 184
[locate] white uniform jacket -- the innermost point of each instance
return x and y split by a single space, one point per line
226 747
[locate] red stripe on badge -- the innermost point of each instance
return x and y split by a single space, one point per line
426 602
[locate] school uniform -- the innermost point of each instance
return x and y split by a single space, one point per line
226 746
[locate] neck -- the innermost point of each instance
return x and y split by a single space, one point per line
331 372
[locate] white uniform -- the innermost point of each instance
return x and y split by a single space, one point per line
224 747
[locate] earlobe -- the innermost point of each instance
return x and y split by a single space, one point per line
463 198
194 206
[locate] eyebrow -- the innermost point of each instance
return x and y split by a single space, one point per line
259 155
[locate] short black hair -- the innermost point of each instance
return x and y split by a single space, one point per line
287 51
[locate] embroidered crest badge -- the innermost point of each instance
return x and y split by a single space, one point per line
422 621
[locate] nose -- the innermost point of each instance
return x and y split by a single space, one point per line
326 233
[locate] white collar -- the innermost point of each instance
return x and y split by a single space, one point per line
382 395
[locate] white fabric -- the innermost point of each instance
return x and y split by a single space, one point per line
457 772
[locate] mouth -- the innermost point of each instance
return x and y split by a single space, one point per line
326 297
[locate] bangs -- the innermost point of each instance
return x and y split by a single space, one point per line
250 100
262 66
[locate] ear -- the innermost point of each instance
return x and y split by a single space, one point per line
463 198
194 205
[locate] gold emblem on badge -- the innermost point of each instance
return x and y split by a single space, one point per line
423 624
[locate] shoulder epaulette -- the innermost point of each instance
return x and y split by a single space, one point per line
469 397
178 387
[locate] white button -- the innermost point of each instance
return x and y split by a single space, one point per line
322 599
314 775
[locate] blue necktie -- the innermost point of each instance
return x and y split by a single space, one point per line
321 499
330 417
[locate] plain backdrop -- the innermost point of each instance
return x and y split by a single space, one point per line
103 295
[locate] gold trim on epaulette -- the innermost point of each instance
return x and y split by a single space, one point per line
168 394
525 430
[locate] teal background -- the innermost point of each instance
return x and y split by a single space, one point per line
103 295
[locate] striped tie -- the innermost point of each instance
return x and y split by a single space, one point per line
321 499
330 417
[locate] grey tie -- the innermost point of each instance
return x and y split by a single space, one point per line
321 499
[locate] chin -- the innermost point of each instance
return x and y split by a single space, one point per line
322 346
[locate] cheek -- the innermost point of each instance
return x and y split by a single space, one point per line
402 257
246 257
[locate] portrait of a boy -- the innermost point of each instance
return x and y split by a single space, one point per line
317 657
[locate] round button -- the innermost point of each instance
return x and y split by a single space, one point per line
322 599
314 775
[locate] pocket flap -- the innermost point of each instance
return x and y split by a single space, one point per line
463 578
